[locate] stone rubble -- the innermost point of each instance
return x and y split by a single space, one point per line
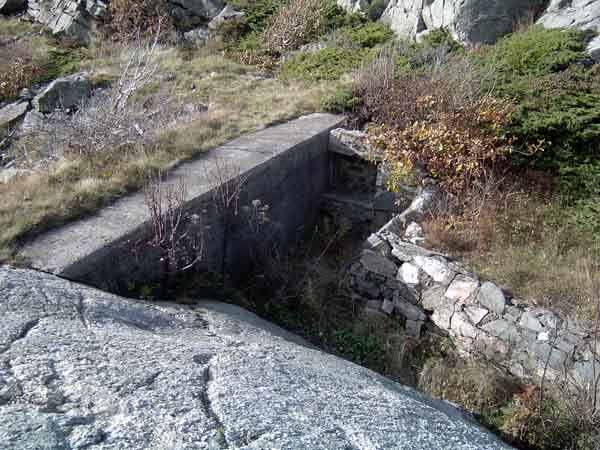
483 320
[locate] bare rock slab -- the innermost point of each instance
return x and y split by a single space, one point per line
80 368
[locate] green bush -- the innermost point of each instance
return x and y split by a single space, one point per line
441 38
341 100
258 14
327 64
365 35
537 51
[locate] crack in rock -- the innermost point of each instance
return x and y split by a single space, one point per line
220 440
30 325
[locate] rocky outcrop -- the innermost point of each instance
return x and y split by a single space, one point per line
77 19
482 21
188 14
63 93
227 15
469 21
394 275
80 368
583 14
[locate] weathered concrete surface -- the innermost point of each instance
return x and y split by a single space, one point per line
80 368
285 167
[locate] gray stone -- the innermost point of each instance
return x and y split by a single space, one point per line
461 325
414 233
461 289
102 372
408 273
413 328
442 317
350 143
476 314
426 201
530 321
12 6
11 113
374 304
387 306
189 14
378 264
492 297
504 330
433 298
554 358
227 15
408 310
437 269
406 251
375 243
63 93
197 37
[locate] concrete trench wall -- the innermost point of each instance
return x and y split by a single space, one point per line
285 167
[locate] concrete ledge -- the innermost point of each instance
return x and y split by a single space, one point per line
285 166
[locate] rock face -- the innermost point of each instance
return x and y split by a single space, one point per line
482 21
80 368
469 21
63 93
77 19
227 15
584 14
191 13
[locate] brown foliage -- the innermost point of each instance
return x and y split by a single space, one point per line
295 24
129 18
17 70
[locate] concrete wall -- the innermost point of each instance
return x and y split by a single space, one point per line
285 167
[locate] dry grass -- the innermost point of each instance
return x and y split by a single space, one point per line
238 101
525 240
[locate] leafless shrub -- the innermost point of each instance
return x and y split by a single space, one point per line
175 233
109 122
295 24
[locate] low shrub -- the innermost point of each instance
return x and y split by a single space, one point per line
341 100
329 63
537 51
443 122
364 35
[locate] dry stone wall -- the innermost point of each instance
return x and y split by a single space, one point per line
395 275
